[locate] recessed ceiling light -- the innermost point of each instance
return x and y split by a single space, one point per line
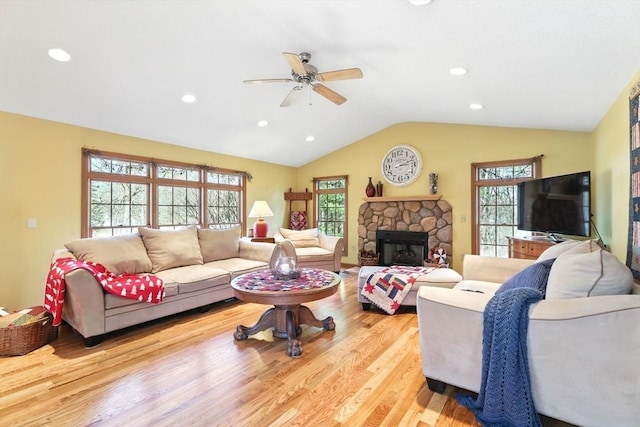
476 106
263 123
458 71
309 138
59 55
188 98
419 2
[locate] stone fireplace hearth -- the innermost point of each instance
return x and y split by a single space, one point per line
432 216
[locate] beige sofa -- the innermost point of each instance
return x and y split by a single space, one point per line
314 249
196 266
583 352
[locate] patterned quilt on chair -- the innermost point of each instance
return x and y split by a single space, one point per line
387 288
141 287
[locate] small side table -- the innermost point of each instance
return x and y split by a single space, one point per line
263 239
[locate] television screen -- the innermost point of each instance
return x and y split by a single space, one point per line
559 204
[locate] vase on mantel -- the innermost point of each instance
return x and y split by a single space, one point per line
379 189
370 190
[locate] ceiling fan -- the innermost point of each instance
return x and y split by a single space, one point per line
305 74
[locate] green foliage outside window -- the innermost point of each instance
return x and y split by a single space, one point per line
497 206
331 206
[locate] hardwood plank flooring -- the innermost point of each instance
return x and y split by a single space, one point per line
187 370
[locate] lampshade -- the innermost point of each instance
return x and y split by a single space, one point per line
260 209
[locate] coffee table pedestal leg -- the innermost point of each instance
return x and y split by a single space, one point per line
267 320
294 346
285 320
306 317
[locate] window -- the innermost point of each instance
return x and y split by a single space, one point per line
495 203
121 193
331 206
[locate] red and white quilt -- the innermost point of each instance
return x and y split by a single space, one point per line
140 287
387 288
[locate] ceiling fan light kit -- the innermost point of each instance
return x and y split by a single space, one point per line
305 74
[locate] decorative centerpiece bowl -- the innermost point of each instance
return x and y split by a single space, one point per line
285 268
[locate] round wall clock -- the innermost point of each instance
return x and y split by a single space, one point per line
401 165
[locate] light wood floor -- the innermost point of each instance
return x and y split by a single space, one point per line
187 370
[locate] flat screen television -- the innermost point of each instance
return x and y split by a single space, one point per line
556 205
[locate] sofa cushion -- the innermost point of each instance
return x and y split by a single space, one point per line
556 250
171 248
577 274
193 278
313 252
114 301
535 276
119 254
302 238
238 266
219 244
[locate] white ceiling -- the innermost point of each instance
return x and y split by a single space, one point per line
554 64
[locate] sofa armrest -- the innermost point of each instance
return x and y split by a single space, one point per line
83 306
450 324
491 269
257 251
333 244
61 253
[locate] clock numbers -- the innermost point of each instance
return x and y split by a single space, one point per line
401 165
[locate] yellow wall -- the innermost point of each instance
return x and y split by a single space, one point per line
40 178
611 140
447 150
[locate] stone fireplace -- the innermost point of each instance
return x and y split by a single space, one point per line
425 215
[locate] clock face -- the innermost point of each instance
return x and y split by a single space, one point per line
401 165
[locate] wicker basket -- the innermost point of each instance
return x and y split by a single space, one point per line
368 260
20 340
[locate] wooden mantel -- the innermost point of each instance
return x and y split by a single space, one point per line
402 198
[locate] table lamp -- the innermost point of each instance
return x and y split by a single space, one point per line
260 209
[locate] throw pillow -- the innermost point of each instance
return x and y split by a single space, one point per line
593 273
556 250
302 238
219 244
535 276
120 254
171 248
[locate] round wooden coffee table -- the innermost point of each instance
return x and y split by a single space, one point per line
286 296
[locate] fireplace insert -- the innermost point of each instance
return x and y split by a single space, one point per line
402 247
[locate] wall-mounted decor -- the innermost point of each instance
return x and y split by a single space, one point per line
401 165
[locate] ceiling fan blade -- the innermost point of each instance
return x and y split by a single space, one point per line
293 94
332 96
296 64
267 81
349 73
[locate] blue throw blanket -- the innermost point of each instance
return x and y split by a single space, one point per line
505 391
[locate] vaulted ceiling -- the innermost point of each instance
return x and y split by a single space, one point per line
531 63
